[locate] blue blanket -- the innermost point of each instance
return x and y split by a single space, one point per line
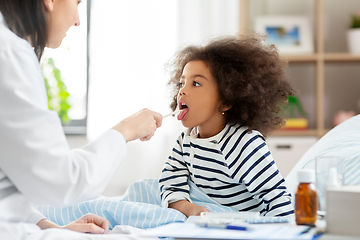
139 207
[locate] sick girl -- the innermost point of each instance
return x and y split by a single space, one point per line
231 92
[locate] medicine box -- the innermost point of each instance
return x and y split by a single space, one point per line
343 210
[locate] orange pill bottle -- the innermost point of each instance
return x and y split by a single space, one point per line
306 198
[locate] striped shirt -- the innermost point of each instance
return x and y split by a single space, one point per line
235 168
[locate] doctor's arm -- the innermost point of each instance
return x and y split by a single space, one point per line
35 154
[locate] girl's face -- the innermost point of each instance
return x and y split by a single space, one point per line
61 15
199 98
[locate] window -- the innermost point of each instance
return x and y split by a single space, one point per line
71 58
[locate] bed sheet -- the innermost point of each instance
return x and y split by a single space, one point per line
24 231
139 207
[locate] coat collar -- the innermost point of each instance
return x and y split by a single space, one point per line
192 134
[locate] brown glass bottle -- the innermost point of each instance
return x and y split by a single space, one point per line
306 199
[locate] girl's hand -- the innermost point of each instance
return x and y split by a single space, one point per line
88 223
188 208
142 125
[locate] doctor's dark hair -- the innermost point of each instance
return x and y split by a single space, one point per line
250 78
26 18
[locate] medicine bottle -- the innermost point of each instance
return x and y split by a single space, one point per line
306 198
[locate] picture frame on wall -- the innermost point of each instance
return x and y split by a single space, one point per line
290 34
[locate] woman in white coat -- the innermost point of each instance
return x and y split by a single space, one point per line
36 164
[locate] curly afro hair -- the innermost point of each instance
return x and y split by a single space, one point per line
250 77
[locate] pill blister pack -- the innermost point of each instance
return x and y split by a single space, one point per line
267 220
202 220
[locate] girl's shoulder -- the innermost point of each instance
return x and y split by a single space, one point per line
242 133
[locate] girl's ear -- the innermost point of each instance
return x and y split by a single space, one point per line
225 108
49 5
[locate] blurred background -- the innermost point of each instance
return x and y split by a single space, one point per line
113 65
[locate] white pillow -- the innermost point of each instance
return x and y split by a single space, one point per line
343 141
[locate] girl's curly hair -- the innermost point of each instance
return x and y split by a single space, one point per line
250 77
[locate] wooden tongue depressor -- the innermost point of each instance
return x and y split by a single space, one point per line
172 114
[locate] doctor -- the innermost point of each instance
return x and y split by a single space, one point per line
36 164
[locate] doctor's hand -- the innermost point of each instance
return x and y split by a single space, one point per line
142 125
89 223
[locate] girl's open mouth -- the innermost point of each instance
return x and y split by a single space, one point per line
184 110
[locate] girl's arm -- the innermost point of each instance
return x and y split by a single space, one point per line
173 182
174 188
257 170
188 208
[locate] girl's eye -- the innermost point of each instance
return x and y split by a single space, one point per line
180 85
196 84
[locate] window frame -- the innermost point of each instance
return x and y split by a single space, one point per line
79 126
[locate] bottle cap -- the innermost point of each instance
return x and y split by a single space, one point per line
306 176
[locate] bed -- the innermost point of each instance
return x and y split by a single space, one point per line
139 208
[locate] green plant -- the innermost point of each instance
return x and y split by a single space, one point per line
57 94
294 103
355 21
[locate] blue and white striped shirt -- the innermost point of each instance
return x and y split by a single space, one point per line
235 168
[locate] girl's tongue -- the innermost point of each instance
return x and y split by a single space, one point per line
182 114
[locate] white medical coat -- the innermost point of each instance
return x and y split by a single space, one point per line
36 164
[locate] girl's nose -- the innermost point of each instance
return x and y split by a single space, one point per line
182 89
181 92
